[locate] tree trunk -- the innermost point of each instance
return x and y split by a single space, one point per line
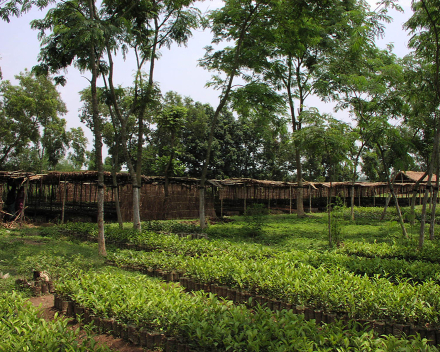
391 186
352 201
98 141
202 213
300 190
387 202
116 192
399 214
329 214
124 143
414 198
434 157
223 100
434 206
167 176
295 126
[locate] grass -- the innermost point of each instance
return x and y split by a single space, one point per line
311 231
27 249
23 250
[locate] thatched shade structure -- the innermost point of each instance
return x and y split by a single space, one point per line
75 193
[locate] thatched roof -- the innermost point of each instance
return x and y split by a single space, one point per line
413 176
124 178
55 177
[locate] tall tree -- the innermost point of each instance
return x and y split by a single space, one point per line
425 29
78 145
171 120
234 21
30 114
294 49
145 27
76 37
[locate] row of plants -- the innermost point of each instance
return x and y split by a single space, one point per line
204 323
84 230
388 260
152 241
22 329
331 289
363 258
393 269
407 250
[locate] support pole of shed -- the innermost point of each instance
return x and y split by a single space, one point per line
64 202
245 197
290 199
269 201
310 199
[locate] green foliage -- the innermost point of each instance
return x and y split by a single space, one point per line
255 218
22 329
33 134
337 221
209 324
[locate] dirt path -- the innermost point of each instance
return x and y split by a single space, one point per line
48 313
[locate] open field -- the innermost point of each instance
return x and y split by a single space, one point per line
257 283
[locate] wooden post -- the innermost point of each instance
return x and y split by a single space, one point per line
64 202
310 199
290 199
269 201
24 202
245 197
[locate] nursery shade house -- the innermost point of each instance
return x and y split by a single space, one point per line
73 195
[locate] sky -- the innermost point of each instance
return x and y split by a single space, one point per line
177 69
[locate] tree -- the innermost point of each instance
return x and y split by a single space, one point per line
78 145
232 22
146 27
322 140
369 86
171 120
294 48
76 37
30 118
425 30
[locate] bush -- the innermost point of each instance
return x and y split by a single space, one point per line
255 218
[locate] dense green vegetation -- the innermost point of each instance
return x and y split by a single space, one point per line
23 329
387 279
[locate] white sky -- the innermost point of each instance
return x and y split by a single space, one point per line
176 70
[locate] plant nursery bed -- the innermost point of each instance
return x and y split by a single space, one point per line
46 305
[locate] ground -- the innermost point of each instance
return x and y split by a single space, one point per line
45 303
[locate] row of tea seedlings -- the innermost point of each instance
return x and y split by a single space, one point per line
394 269
360 258
410 308
23 329
381 259
408 251
152 313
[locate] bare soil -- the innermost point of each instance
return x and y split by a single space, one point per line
45 304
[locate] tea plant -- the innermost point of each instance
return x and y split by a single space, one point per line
208 324
22 329
255 218
325 287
